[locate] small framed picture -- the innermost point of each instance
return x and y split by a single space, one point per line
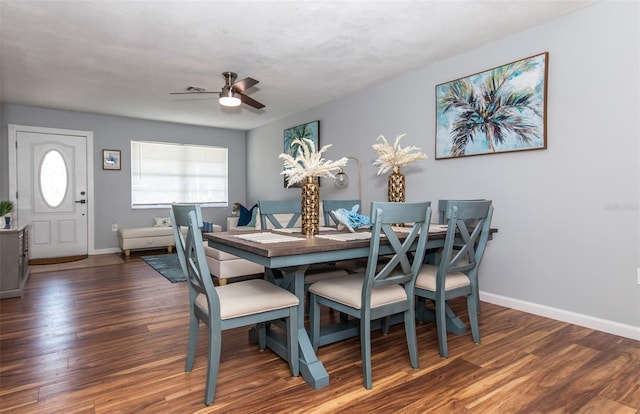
110 159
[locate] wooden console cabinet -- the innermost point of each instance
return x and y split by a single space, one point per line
14 261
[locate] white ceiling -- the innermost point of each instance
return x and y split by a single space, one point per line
124 57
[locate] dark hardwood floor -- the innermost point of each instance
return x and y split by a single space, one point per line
112 339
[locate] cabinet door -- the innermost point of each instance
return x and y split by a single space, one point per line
9 260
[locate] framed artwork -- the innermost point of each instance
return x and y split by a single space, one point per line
110 159
310 130
503 109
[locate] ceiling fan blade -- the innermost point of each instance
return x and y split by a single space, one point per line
251 102
244 84
190 93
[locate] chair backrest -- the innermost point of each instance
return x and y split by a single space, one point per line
469 224
400 269
270 208
330 205
442 208
190 250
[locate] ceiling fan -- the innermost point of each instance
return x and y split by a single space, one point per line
232 93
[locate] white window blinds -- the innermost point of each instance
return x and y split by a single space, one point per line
164 173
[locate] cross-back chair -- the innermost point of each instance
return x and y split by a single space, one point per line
380 291
330 205
442 208
457 273
229 306
272 211
442 219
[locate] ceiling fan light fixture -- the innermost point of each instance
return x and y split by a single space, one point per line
228 98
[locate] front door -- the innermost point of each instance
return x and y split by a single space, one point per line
51 173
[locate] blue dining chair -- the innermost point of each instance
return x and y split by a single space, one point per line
442 219
379 292
442 208
273 213
456 274
230 306
331 205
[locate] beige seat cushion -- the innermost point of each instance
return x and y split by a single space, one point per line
348 291
133 232
249 297
218 254
427 279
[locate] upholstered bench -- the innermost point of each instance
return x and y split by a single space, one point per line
148 238
225 266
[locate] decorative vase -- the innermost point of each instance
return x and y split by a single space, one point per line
310 207
396 187
7 222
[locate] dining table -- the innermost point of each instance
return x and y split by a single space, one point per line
290 253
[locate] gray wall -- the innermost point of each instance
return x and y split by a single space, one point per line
567 216
113 188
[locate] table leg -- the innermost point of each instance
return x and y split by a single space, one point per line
311 367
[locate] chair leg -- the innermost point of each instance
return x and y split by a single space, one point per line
365 347
192 341
420 308
412 342
441 326
262 335
344 317
292 341
384 325
214 365
472 306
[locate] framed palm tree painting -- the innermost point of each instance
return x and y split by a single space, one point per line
499 110
310 130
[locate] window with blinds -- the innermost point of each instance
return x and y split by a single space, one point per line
165 173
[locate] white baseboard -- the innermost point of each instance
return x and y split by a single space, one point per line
615 328
105 251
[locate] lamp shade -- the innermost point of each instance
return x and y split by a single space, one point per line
342 179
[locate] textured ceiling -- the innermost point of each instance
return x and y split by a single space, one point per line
124 57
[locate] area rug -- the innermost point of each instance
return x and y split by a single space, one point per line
168 265
57 260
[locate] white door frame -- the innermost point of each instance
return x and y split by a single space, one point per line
13 170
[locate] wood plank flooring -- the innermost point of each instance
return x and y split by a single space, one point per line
112 339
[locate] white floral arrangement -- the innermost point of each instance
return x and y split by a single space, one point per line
392 158
308 162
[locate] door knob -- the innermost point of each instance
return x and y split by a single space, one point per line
81 201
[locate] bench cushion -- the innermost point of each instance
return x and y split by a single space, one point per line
131 233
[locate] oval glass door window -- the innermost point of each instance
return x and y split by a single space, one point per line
53 178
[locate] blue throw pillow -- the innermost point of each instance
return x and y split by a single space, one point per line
254 216
246 215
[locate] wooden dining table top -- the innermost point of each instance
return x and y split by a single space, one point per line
305 244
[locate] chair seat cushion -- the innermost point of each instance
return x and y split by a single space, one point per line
348 291
319 272
249 297
427 279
